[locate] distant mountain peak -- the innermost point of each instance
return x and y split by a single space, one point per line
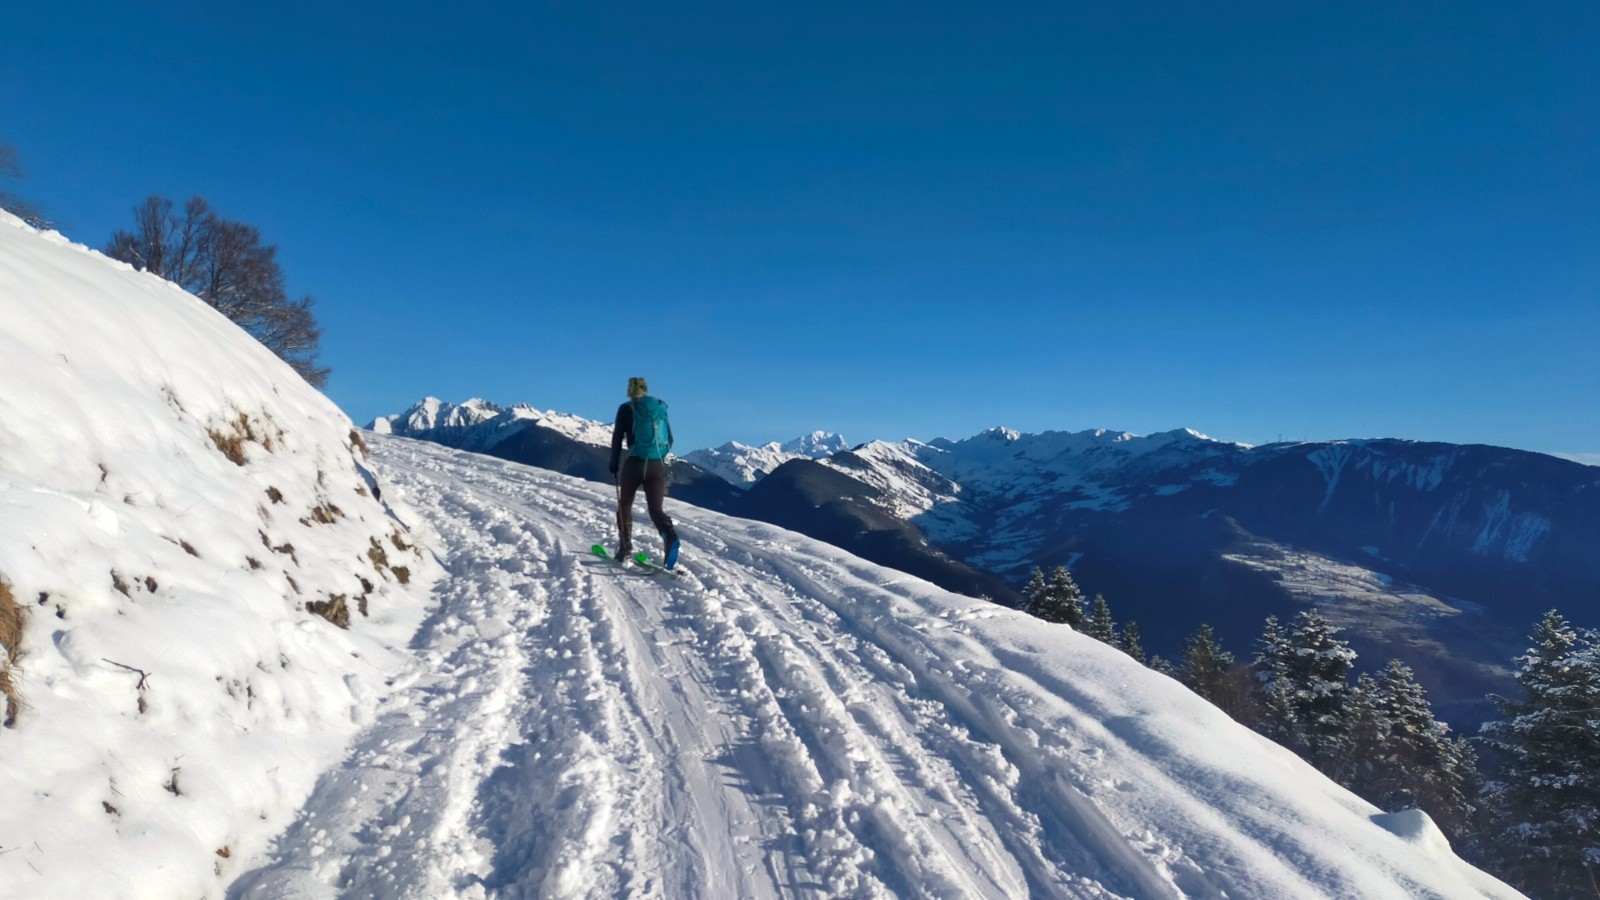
999 434
744 465
431 412
817 444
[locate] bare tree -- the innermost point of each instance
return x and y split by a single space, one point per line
11 171
225 264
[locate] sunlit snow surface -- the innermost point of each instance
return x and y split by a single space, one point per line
179 699
787 720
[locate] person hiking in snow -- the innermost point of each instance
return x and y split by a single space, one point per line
642 423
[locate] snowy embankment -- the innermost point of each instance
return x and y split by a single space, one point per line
175 505
787 720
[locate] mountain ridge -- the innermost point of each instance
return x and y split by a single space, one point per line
1176 528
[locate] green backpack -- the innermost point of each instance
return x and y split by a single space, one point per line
652 434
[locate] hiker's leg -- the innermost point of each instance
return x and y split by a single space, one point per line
628 481
655 495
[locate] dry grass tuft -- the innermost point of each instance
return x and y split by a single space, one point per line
360 444
334 609
11 621
275 495
231 445
401 574
380 559
325 513
231 437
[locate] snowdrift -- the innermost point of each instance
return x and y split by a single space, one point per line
185 525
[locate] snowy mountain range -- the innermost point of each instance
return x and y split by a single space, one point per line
743 466
1430 553
246 655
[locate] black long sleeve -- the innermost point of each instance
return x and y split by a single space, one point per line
620 432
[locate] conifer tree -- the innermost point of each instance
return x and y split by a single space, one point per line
1065 597
1205 664
1099 624
1130 641
1319 668
1360 762
1033 591
1058 600
1547 796
1275 691
1419 764
1303 675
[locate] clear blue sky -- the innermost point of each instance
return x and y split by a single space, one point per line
1306 220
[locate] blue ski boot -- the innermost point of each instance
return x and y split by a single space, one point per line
670 539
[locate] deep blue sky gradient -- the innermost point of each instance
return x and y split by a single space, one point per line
1296 220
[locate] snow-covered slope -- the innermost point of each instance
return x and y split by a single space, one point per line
174 504
742 465
787 720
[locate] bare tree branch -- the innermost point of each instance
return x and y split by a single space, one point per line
225 264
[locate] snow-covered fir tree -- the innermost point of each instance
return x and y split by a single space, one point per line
1546 798
1058 600
1418 763
1305 676
1359 763
1275 691
1320 668
1100 625
1033 591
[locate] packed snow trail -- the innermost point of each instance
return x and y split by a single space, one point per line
784 721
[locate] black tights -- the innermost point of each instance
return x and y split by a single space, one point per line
653 477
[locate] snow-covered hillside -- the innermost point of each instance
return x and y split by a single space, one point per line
176 507
787 720
743 465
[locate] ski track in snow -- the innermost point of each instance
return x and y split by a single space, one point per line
781 721
577 729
